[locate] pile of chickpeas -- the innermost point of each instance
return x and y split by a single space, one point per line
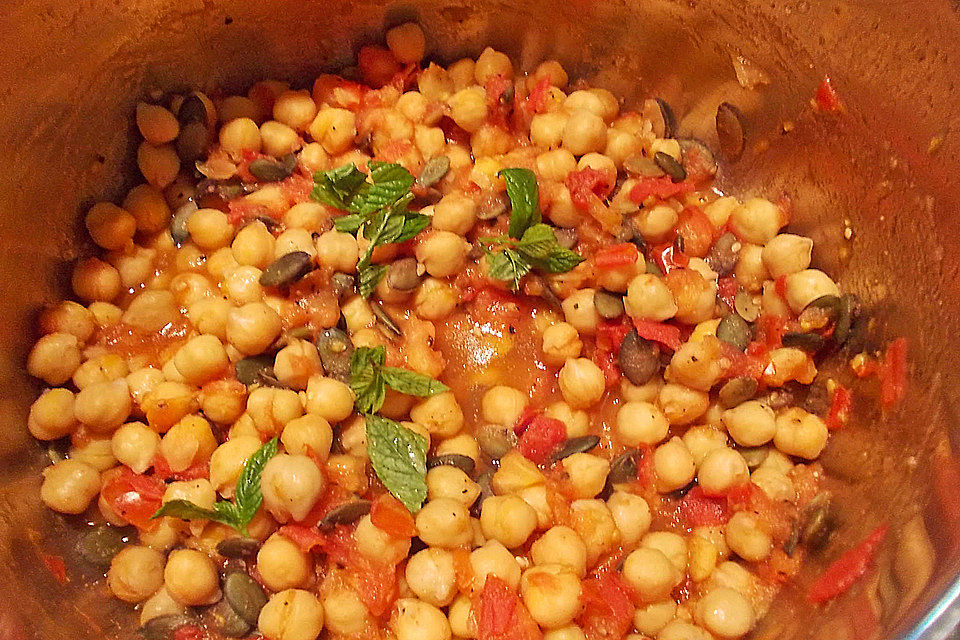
141 365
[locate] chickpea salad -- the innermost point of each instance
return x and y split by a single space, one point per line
425 352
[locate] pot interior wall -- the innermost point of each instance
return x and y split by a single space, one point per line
72 73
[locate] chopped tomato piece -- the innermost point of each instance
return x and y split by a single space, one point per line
132 496
847 569
607 607
696 230
496 88
390 516
375 581
668 258
377 65
56 566
771 329
524 420
463 570
893 373
826 97
617 255
780 286
500 614
661 188
610 335
494 305
338 92
697 509
537 100
589 182
727 288
307 538
162 470
541 438
665 334
841 403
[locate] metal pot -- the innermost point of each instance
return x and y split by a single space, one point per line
889 165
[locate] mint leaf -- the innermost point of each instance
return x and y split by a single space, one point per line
412 383
562 260
338 187
390 183
248 496
186 510
414 224
524 199
370 276
399 457
507 265
350 223
538 242
365 379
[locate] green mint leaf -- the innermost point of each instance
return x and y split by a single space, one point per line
399 457
366 382
385 227
338 187
507 265
370 276
538 242
248 497
350 223
414 224
412 383
390 183
186 510
524 199
562 260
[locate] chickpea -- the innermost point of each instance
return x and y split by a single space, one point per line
594 523
682 405
434 299
747 537
68 317
292 614
52 415
291 485
201 359
507 519
651 574
296 363
463 444
414 619
454 213
492 63
159 165
651 619
503 405
110 226
167 403
282 564
775 484
492 558
210 229
721 470
293 240
641 423
547 130
339 251
584 132
330 399
576 421
631 513
647 392
674 466
656 223
227 460
446 481
296 109
253 327
103 406
442 253
54 358
581 382
142 381
69 486
806 286
159 604
703 555
94 280
135 445
699 364
468 108
135 574
587 473
756 220
376 544
703 439
579 311
238 136
800 434
190 441
334 129
306 435
344 612
432 577
157 125
200 492
787 253
440 414
233 107
680 630
560 546
556 164
750 424
551 594
444 523
649 298
191 578
695 296
561 341
622 145
278 139
94 452
253 245
725 613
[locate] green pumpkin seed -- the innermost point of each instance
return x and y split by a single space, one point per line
163 627
640 165
811 342
244 595
286 269
746 306
639 359
462 462
815 524
737 391
404 275
434 170
238 547
670 166
485 480
730 130
754 456
178 223
829 302
270 170
346 513
342 284
624 467
192 109
735 330
723 255
608 305
227 621
849 304
495 440
335 349
100 545
251 370
580 444
669 119
193 142
386 320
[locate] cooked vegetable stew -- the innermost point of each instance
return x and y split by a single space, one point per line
456 352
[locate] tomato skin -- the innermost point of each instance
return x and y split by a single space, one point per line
666 334
500 615
307 538
661 188
541 438
496 87
893 373
617 255
390 516
338 92
696 230
610 335
727 288
377 65
56 566
188 632
607 607
667 258
536 102
847 569
586 184
374 581
697 509
841 404
133 497
826 96
163 471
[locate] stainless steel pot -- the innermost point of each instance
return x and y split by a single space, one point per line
71 72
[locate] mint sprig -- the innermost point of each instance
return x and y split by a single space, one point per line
399 458
247 497
369 379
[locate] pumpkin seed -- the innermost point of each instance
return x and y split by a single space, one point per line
811 342
434 170
163 627
580 444
737 391
849 307
462 462
723 255
624 468
404 275
608 305
193 109
754 456
818 399
829 302
238 547
492 206
661 117
342 284
485 480
286 269
193 142
735 330
746 306
386 320
298 333
178 223
642 166
346 513
698 160
335 350
730 130
244 595
817 522
566 238
227 621
670 166
270 170
639 359
99 545
250 370
495 440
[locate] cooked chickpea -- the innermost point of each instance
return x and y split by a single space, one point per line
308 216
580 311
68 317
444 523
432 577
492 63
682 405
651 573
296 109
440 414
721 470
253 245
69 486
110 226
702 439
434 299
271 409
562 546
507 519
492 558
156 124
651 619
253 327
561 341
159 604
656 223
135 574
278 139
672 545
695 296
201 359
584 132
292 614
94 280
135 445
328 398
190 578
334 129
551 594
503 405
632 515
190 441
747 537
806 286
54 358
547 130
594 523
724 612
756 220
556 164
446 481
103 406
648 298
674 466
413 619
344 612
699 364
442 253
282 564
581 382
296 363
641 423
775 484
454 213
376 544
751 423
210 229
291 485
800 434
226 462
238 136
587 473
787 253
159 165
52 415
468 108
576 421
680 630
